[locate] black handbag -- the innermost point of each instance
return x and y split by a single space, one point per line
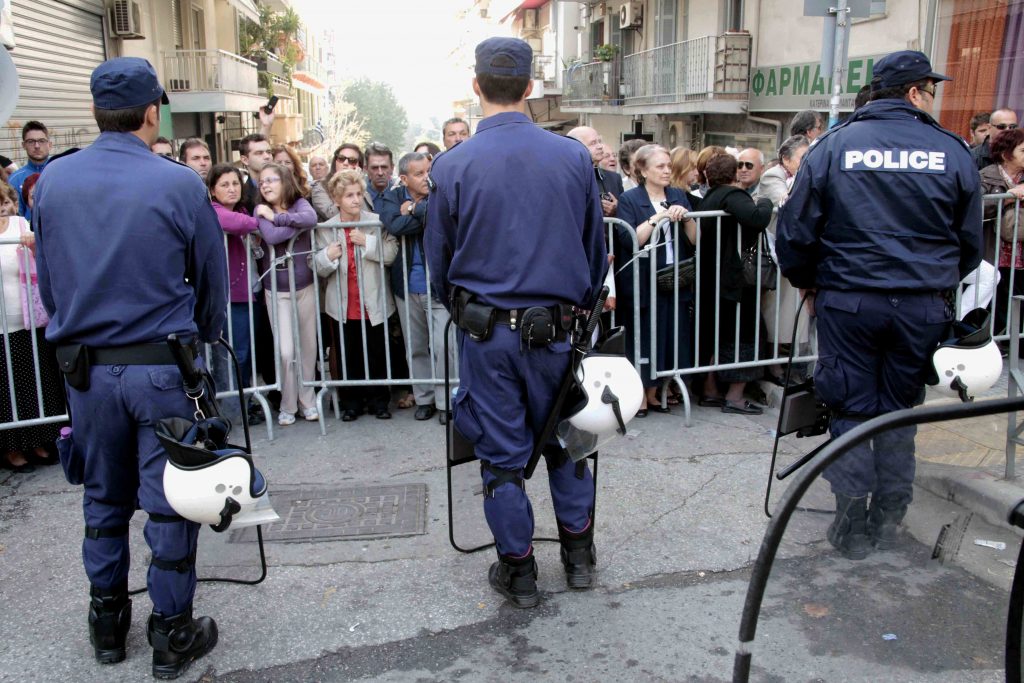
768 268
665 278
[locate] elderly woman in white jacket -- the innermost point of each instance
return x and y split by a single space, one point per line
357 295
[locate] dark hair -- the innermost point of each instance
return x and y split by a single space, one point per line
721 170
290 191
1002 145
863 96
219 170
451 121
162 141
245 143
502 89
804 121
123 120
898 92
379 149
189 144
628 149
26 187
347 145
432 149
980 118
791 144
33 125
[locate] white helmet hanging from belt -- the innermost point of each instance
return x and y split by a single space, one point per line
209 481
970 362
608 394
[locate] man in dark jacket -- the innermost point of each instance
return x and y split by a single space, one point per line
608 182
999 120
884 219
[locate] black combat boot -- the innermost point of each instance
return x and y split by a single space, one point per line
886 513
178 641
110 617
516 579
578 556
849 531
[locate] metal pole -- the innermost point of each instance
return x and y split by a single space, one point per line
842 13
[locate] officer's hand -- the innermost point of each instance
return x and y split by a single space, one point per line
609 304
358 237
609 206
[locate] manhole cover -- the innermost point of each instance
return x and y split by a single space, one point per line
356 512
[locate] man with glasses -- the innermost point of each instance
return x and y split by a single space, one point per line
35 140
1001 119
609 183
882 223
750 165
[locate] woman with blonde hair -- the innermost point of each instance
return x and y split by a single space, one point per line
286 156
358 295
684 169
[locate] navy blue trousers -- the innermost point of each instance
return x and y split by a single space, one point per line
114 423
505 395
874 350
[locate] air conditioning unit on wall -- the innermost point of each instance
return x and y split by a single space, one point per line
631 14
124 20
679 133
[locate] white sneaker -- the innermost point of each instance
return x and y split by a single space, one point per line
310 414
285 419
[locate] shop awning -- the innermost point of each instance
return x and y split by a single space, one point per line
303 80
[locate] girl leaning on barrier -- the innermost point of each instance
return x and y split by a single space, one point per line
749 219
645 206
1005 175
225 184
284 214
358 296
20 445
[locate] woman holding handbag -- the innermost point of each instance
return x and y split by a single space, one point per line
645 206
25 319
734 234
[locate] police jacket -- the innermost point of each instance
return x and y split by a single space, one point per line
888 200
515 217
119 265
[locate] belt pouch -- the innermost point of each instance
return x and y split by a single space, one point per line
477 320
537 326
73 360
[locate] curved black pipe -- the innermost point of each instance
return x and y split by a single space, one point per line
806 476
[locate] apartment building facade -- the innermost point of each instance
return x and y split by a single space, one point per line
195 47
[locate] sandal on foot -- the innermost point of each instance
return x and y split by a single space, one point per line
744 408
711 402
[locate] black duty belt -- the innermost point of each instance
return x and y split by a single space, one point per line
133 354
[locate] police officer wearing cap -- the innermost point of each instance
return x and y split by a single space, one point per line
514 240
883 221
118 274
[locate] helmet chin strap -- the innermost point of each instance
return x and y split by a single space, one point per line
960 388
608 396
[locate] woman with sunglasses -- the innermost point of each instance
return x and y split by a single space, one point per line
348 157
284 214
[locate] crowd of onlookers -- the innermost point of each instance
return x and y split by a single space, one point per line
373 305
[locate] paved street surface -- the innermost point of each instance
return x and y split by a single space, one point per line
679 524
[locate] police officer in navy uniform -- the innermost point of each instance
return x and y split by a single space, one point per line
119 271
883 221
515 234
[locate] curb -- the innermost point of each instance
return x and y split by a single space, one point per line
980 491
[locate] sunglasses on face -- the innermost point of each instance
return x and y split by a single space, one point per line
749 165
354 161
1005 126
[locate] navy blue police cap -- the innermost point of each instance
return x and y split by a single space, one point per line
504 57
125 83
905 66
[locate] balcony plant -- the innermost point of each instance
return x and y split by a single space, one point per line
606 52
276 33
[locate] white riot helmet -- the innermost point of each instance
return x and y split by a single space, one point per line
209 481
970 362
608 394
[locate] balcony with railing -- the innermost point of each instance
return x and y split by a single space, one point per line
210 81
710 73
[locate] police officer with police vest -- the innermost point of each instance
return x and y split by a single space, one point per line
120 271
883 221
514 241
